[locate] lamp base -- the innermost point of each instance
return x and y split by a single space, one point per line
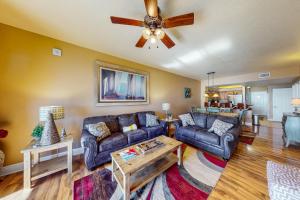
296 111
50 133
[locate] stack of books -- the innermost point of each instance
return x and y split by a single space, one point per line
128 154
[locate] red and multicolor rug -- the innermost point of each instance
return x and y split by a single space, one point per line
194 180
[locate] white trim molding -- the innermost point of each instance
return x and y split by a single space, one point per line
10 169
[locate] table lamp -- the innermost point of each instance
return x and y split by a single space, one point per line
296 104
48 114
166 107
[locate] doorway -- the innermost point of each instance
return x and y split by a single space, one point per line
281 102
259 100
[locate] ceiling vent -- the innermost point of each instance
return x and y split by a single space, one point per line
264 75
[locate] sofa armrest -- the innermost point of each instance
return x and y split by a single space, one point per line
89 143
178 124
229 141
163 124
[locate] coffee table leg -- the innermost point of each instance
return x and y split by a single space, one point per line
113 166
27 170
179 155
126 184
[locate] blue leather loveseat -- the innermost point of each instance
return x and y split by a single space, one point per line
97 153
198 135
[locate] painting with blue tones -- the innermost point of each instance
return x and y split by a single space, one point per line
122 86
187 92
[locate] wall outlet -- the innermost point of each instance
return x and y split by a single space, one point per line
56 52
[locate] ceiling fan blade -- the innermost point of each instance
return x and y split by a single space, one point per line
181 20
151 7
168 41
126 21
142 41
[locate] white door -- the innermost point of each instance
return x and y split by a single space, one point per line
259 100
281 102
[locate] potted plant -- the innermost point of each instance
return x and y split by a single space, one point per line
37 132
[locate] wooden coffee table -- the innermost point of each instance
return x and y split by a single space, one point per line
133 174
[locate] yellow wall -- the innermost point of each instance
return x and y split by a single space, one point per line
31 77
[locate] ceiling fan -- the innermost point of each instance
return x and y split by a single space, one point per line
154 24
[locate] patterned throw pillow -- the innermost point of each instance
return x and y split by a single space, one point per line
186 119
151 120
99 130
129 128
219 127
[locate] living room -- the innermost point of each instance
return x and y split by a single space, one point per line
86 85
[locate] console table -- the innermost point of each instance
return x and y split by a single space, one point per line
39 169
291 128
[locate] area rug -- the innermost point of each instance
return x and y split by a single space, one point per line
195 179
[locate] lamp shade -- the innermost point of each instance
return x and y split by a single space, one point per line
296 102
57 112
166 106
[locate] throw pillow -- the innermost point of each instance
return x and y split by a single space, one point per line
186 119
151 120
126 120
99 130
219 127
129 128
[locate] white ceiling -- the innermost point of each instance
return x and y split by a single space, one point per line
229 37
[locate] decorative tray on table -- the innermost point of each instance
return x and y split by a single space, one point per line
149 146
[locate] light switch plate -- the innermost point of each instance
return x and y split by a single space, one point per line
56 52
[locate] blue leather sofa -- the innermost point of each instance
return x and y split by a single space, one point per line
198 135
97 153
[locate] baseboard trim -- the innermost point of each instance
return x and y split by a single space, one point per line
10 169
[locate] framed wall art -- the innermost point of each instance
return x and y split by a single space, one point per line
118 85
187 92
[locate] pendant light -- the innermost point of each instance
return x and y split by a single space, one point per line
211 90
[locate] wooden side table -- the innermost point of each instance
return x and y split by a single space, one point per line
38 169
169 123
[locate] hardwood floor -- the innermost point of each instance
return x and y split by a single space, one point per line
243 178
245 174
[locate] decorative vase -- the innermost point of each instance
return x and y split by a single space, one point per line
37 140
50 133
63 134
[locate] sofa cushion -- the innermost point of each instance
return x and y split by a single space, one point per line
206 137
99 130
186 119
132 127
200 119
210 120
114 141
230 120
126 120
154 131
219 127
110 121
136 136
188 131
142 117
151 120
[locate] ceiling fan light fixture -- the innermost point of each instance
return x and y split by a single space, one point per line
153 39
159 33
147 33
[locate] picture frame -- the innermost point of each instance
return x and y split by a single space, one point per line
118 85
187 93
